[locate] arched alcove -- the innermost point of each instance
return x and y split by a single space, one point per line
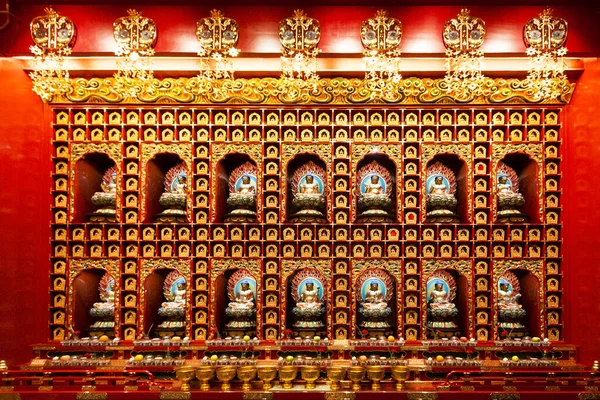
299 166
156 172
154 287
438 324
89 171
85 295
459 169
526 170
238 323
227 166
369 165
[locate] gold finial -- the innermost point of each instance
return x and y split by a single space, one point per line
596 366
3 366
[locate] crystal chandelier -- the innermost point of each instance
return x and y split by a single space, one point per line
53 36
299 37
380 37
218 37
463 37
545 37
136 37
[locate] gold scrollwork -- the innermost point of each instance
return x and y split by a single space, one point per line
288 151
326 91
79 150
175 396
534 150
149 150
254 151
91 396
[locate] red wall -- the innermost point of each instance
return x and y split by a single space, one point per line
581 216
24 215
25 143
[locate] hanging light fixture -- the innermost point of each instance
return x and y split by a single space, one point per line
218 37
545 37
380 37
53 37
299 37
136 37
463 37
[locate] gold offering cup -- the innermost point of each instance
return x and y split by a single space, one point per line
375 374
310 374
225 375
246 374
287 374
335 375
185 375
400 375
204 375
267 374
356 374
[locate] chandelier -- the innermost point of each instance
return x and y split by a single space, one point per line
545 37
53 37
136 37
463 37
218 37
299 37
380 37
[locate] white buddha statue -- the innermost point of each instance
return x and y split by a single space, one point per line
111 186
180 185
309 297
374 298
440 298
108 299
177 298
507 299
373 187
309 187
244 299
439 189
246 187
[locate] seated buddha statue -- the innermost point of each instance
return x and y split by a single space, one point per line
244 299
308 194
441 309
509 198
374 188
374 298
309 309
174 196
176 298
108 300
439 298
106 199
242 194
441 194
511 314
241 309
104 310
309 297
